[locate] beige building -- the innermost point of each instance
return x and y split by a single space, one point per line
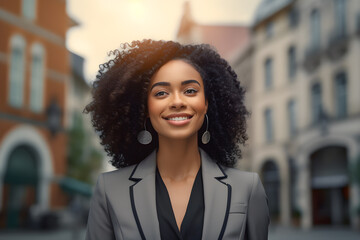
306 109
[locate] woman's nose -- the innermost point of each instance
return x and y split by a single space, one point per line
177 102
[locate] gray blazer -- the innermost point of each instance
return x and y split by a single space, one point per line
123 205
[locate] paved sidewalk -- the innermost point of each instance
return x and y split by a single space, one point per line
317 233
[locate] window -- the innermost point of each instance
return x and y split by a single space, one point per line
291 62
293 17
291 109
268 73
17 70
340 17
316 102
341 94
29 9
269 29
37 78
315 30
269 134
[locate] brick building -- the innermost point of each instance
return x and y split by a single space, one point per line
34 71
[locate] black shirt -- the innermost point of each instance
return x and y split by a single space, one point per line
192 224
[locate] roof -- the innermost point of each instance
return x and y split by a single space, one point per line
77 67
268 8
77 64
228 40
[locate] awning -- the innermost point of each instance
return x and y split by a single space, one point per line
73 186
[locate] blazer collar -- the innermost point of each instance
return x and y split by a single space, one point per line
217 198
143 198
217 195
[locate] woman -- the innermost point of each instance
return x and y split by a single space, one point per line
155 105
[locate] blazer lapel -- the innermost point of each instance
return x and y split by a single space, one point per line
143 198
217 198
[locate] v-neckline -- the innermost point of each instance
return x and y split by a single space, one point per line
173 219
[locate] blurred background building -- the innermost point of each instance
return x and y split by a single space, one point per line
306 109
299 64
38 76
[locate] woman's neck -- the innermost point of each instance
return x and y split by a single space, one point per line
178 159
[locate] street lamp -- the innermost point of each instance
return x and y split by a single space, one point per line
53 113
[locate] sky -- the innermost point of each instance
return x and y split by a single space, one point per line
105 24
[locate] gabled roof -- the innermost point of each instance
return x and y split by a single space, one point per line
229 40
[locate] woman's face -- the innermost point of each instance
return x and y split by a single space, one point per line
176 100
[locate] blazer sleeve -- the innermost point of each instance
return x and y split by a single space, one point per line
258 212
99 224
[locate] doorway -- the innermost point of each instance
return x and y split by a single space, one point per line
20 187
271 180
330 186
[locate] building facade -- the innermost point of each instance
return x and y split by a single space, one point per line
34 71
305 109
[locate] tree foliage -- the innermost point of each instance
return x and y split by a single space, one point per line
83 158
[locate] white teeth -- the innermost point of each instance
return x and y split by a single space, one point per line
178 118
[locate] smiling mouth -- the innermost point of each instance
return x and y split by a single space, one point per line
178 118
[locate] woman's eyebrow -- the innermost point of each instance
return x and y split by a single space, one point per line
168 84
160 84
190 81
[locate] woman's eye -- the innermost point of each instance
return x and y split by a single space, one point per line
191 91
160 94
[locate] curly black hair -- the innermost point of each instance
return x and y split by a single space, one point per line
119 106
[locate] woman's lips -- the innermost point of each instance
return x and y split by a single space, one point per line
178 120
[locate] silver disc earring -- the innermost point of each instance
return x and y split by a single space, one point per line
144 137
205 138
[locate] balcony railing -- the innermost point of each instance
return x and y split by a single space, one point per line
312 58
338 45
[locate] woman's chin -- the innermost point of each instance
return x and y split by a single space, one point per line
181 137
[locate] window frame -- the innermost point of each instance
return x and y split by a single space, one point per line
17 71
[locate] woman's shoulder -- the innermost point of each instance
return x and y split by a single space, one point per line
239 174
120 175
243 179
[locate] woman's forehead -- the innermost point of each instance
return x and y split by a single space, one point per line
176 70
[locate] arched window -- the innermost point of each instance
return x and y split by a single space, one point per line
17 71
37 78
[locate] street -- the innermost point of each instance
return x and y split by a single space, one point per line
317 233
